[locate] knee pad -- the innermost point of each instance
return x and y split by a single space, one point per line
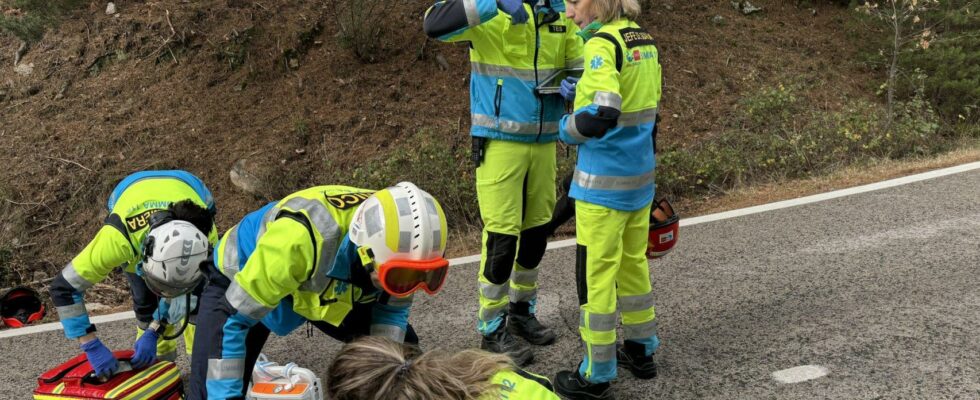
581 285
534 241
501 251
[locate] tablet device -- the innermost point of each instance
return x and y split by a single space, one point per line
552 83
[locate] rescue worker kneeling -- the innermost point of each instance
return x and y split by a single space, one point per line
159 230
296 260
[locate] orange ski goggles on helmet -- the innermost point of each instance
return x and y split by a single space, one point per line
401 277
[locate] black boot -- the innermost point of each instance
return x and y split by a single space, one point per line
571 385
632 355
526 325
501 341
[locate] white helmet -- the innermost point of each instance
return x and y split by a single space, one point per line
172 257
402 221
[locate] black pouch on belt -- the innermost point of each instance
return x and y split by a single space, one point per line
478 150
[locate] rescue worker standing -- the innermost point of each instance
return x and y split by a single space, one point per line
344 258
613 186
159 230
514 46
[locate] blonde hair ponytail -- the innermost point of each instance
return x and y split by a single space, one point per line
373 368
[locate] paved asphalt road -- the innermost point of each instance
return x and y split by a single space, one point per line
880 289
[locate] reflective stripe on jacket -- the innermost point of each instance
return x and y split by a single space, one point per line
507 61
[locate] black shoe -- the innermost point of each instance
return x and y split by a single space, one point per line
571 385
632 355
501 341
524 324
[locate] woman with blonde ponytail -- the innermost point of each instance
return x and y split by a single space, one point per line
375 368
613 123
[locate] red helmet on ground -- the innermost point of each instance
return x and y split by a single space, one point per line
663 229
21 306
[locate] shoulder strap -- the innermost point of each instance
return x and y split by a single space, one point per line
619 50
299 217
115 221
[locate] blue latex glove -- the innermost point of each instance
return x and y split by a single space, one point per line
514 8
145 350
567 89
103 362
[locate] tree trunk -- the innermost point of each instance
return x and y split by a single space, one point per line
893 69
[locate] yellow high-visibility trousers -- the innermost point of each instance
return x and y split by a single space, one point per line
612 273
515 185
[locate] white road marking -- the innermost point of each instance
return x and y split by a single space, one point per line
57 325
571 242
799 374
832 195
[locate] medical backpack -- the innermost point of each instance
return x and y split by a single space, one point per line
75 380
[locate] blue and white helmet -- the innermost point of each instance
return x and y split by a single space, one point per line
172 257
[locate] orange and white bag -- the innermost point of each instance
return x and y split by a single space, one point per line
271 381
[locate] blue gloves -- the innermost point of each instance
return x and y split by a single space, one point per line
145 351
514 8
567 89
102 360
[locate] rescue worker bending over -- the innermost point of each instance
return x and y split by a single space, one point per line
344 258
613 185
514 133
159 230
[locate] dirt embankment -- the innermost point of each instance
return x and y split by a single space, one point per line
175 84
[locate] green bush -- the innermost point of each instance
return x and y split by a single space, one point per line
770 104
948 70
776 137
359 28
36 16
440 167
235 51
